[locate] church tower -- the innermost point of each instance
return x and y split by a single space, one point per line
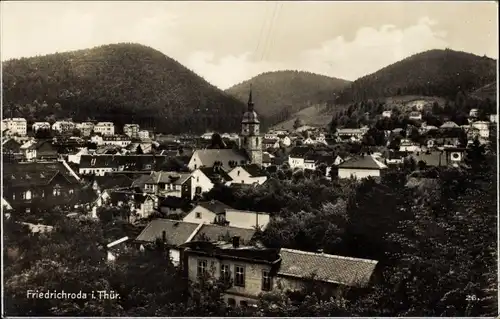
251 140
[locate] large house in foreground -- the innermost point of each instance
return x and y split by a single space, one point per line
252 270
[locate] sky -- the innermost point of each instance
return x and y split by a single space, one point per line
230 42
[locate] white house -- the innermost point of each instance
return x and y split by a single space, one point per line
63 126
387 114
416 116
296 157
28 151
105 128
144 135
285 140
121 141
207 136
493 118
15 126
131 130
40 125
218 212
75 158
248 174
409 146
206 212
483 128
361 168
474 113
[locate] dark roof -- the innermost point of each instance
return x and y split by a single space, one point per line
365 162
299 151
177 232
254 170
11 145
269 141
209 156
266 158
173 202
36 174
213 173
176 178
113 181
226 250
215 206
329 268
435 158
129 162
216 232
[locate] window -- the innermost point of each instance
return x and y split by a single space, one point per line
257 141
27 195
195 166
266 281
71 191
198 215
92 162
197 179
56 192
231 302
238 172
198 190
239 278
202 267
224 273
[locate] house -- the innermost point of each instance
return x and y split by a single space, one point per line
120 141
415 116
101 164
144 135
145 148
113 250
214 232
271 143
140 205
357 133
11 150
338 160
5 205
211 157
248 174
362 167
387 114
296 156
395 157
15 126
76 157
173 233
63 127
285 140
483 128
474 113
105 128
443 142
131 130
407 145
206 212
40 125
267 159
172 205
110 181
38 228
446 157
40 151
39 184
217 175
255 270
177 184
219 213
494 118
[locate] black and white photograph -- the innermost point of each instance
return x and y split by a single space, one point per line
249 159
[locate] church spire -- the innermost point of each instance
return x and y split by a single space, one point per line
250 102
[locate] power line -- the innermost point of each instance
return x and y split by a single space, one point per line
266 41
272 34
262 31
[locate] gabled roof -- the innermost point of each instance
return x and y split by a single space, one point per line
216 232
209 156
435 158
328 268
11 145
254 170
365 162
214 173
215 206
175 178
449 124
177 232
299 151
113 181
34 174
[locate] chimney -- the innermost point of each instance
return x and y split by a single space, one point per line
164 236
236 241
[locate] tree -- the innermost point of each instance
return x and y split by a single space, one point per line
139 150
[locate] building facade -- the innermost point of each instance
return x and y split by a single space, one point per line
15 126
105 128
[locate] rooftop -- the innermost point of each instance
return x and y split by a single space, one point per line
177 232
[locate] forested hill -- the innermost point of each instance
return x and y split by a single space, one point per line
433 73
277 95
119 82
